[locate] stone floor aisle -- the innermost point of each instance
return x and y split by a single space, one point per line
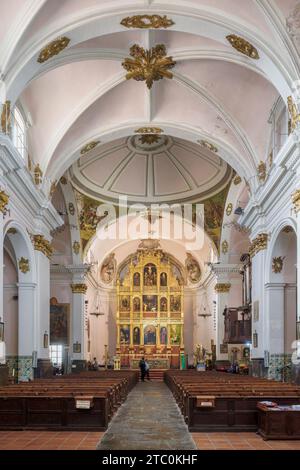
148 420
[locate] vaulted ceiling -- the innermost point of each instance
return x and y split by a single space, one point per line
217 93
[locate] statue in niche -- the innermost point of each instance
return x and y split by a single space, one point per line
136 335
150 335
163 335
136 279
163 304
108 269
136 304
175 303
163 279
193 269
150 275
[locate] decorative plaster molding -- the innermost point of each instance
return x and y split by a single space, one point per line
296 200
53 48
79 288
90 146
24 265
222 288
220 269
243 46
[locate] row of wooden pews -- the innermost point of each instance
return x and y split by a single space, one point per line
214 401
85 401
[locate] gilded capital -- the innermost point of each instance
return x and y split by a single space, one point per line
80 288
41 244
4 199
222 288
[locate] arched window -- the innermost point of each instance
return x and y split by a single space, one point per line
19 133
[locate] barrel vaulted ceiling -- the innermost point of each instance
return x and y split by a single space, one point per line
217 93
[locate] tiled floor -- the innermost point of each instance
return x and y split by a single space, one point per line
240 441
49 440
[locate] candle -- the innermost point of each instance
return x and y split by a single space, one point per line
13 372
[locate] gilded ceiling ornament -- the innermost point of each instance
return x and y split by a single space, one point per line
193 269
237 180
243 46
108 269
277 264
261 171
149 139
148 65
38 175
208 146
53 48
63 180
295 116
229 209
225 247
88 147
258 244
6 118
71 208
80 288
24 265
149 130
4 199
147 22
41 244
270 158
296 200
76 248
222 288
12 231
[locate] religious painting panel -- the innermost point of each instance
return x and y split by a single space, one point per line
136 280
59 323
125 303
150 335
163 335
163 280
163 304
150 275
136 304
175 303
150 303
136 335
175 334
124 334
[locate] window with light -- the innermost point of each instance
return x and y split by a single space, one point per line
56 351
19 133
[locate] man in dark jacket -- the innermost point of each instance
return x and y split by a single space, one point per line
142 366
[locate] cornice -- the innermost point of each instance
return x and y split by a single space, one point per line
219 269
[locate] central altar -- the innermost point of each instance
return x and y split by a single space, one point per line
150 309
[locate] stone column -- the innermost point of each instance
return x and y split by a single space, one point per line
4 198
26 336
43 252
222 290
78 339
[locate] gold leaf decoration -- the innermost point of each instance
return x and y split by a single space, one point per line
277 264
147 22
225 247
222 288
53 48
38 175
76 247
6 118
149 130
148 65
295 116
261 172
243 46
41 244
296 200
63 180
79 288
237 180
258 244
90 146
4 199
229 209
208 145
149 139
24 265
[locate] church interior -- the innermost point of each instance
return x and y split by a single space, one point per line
149 222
